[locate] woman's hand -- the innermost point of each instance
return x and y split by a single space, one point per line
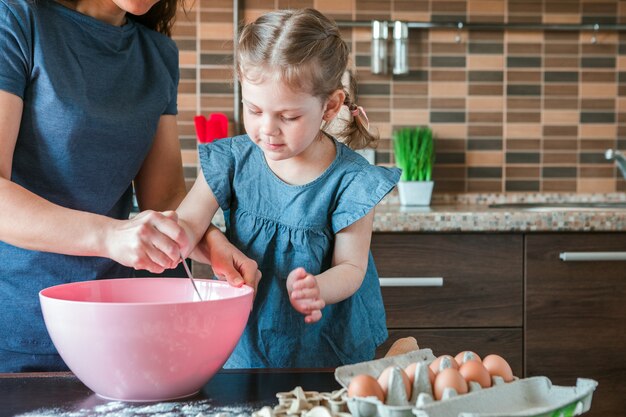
304 295
151 241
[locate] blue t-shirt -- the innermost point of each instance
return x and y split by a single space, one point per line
283 227
93 94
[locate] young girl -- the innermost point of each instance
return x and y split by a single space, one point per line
296 200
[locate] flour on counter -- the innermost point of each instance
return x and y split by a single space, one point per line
202 408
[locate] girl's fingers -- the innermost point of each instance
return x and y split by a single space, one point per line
305 281
294 277
316 304
306 306
233 278
298 294
298 274
315 316
250 273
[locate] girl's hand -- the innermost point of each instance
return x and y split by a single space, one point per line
304 295
151 241
230 264
226 260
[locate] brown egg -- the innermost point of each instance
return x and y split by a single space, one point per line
465 356
449 378
437 363
497 366
473 370
410 371
383 380
365 386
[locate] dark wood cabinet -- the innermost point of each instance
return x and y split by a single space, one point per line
513 294
576 313
477 306
552 304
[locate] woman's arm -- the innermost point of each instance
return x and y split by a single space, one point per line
160 184
31 222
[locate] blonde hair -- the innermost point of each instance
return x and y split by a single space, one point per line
305 50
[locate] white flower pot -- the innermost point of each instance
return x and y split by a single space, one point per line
415 193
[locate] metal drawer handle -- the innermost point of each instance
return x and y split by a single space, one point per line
592 256
411 282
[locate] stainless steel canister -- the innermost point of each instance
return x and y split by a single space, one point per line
380 34
401 47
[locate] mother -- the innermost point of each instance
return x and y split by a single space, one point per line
87 108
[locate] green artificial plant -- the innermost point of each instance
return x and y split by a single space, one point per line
415 153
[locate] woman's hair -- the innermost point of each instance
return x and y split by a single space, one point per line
160 17
305 50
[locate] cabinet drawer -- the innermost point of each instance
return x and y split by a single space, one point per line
576 313
504 342
482 279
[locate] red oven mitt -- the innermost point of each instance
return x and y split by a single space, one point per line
216 127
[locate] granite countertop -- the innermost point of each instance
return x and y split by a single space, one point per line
471 213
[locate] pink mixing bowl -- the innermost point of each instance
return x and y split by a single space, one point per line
145 339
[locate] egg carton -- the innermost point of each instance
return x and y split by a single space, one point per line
529 397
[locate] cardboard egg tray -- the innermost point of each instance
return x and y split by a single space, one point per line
529 397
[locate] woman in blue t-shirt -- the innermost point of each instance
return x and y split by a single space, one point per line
87 109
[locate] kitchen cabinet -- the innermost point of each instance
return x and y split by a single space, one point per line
512 294
454 292
576 313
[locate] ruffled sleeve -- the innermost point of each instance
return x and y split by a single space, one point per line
361 195
218 168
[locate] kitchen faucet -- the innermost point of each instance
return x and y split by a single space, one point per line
618 157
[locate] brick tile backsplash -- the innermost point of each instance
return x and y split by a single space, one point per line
512 110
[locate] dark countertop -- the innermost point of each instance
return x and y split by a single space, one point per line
235 392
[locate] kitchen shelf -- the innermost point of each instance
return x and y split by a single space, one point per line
596 27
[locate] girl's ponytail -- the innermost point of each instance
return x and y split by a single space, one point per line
357 133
